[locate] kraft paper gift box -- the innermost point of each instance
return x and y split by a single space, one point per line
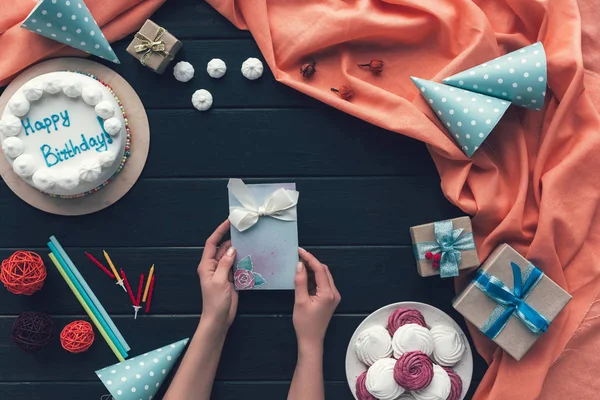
154 46
264 233
457 253
539 300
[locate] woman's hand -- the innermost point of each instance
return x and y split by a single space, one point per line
219 298
313 311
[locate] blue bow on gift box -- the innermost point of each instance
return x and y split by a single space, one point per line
449 242
511 302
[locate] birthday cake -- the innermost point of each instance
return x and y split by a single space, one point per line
65 133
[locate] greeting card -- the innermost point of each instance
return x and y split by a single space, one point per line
264 232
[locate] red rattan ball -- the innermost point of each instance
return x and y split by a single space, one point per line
77 337
23 273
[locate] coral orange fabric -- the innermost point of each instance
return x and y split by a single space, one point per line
21 48
534 183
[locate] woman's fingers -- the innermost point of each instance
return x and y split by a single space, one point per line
319 269
301 283
222 249
210 248
225 264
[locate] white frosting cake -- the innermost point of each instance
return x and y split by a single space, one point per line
65 133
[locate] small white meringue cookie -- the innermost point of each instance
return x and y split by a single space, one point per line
24 165
202 100
10 125
438 389
113 126
183 71
43 179
68 180
73 88
13 147
412 337
372 344
104 109
106 159
92 95
33 90
53 86
216 68
252 68
380 380
19 105
90 170
449 346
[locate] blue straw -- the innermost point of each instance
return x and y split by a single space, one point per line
84 288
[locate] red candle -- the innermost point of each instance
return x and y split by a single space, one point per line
150 295
139 294
124 277
102 267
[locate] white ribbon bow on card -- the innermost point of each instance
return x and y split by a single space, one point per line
281 204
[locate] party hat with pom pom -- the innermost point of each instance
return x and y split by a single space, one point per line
69 22
141 377
519 77
468 116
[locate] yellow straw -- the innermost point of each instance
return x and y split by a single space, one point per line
148 283
112 266
86 308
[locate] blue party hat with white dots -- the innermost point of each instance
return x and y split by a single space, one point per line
468 116
140 378
519 77
69 22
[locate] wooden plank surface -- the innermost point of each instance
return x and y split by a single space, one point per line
361 189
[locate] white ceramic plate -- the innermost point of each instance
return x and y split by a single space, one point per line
433 317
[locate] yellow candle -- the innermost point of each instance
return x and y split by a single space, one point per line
148 283
112 266
86 308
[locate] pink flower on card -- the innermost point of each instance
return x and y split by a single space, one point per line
244 279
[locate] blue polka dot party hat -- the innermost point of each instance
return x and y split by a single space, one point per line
140 378
519 77
468 116
69 22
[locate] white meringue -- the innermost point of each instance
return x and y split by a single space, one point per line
10 125
33 90
91 94
202 100
113 126
13 147
73 88
380 380
90 170
183 71
68 179
104 109
449 346
53 86
372 344
252 68
106 159
24 165
438 389
19 105
411 337
216 68
43 179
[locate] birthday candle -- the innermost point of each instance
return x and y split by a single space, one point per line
102 267
112 266
150 295
150 274
128 287
138 300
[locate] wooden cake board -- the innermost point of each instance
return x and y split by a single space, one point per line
140 142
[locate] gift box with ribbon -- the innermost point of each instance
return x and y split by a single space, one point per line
264 233
511 301
154 46
444 247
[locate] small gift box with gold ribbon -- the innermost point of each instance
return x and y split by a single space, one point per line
154 46
444 247
511 301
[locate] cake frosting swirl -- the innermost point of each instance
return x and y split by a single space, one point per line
412 337
380 380
403 316
438 389
449 346
413 370
372 344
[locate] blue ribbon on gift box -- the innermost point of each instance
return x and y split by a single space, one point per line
449 242
511 302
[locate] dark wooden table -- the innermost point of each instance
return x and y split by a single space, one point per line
261 131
